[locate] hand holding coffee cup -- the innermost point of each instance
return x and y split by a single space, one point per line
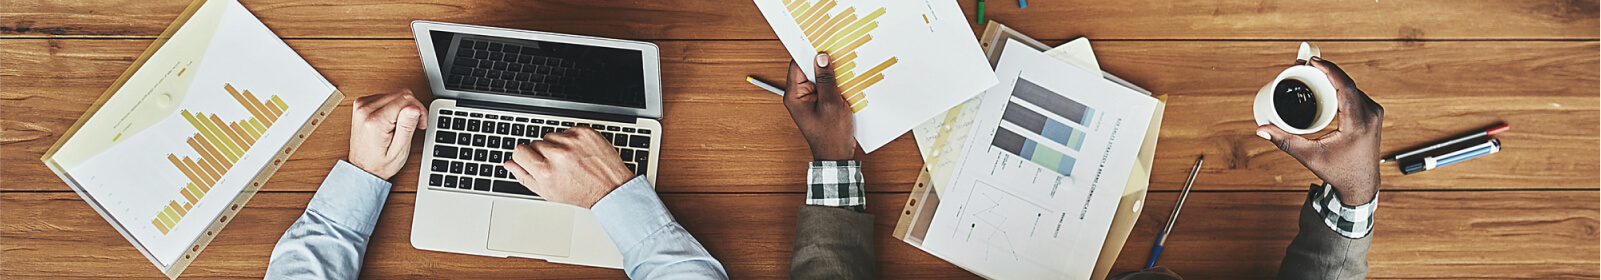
1346 157
1301 100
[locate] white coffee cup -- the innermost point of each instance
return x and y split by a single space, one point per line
1322 90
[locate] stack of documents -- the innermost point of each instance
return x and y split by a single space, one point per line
1025 181
191 130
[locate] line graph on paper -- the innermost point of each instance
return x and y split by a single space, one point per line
1000 225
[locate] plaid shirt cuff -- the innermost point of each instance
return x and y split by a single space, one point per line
1348 221
836 184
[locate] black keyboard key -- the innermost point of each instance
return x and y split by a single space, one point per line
517 129
567 124
621 140
533 131
466 183
481 185
482 83
455 167
486 170
478 140
461 114
468 62
497 83
444 151
458 124
461 71
492 142
505 118
511 49
543 69
445 137
463 138
440 166
514 67
632 167
644 131
445 112
643 165
450 181
507 144
470 169
464 52
500 172
641 142
522 119
606 135
472 125
537 78
494 156
501 65
627 154
612 128
546 130
494 47
434 179
464 153
538 60
495 55
481 55
503 128
520 141
489 127
480 45
628 129
642 155
510 187
481 155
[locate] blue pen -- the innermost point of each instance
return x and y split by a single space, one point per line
1161 237
1470 152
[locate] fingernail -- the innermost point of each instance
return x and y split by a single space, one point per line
822 60
1264 135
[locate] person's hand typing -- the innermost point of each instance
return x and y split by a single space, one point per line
381 127
577 167
1346 158
820 111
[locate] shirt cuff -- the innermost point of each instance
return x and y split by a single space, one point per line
631 213
836 183
350 197
1348 221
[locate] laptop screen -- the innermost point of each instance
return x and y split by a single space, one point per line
540 69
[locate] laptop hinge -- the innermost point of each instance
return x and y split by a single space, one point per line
546 111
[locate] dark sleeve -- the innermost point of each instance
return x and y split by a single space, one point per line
1319 252
832 243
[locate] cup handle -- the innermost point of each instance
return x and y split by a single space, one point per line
1308 50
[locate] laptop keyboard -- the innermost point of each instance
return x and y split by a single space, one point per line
469 147
531 70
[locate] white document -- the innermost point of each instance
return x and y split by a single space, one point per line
898 63
1042 171
166 181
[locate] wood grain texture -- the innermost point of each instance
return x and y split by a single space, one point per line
1532 235
723 19
1431 90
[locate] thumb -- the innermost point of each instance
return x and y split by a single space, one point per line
405 126
827 90
1289 143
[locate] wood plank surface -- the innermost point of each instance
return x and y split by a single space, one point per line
1431 90
724 19
1440 68
1225 235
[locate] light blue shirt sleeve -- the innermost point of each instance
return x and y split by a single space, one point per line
328 241
654 246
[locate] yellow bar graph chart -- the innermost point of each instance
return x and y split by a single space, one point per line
840 35
219 145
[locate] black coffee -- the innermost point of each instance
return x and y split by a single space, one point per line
1295 103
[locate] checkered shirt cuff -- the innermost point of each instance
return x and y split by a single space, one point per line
1348 221
836 183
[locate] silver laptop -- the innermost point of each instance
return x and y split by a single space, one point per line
496 88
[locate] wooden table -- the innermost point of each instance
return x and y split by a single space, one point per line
1440 67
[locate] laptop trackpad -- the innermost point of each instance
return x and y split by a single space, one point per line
531 228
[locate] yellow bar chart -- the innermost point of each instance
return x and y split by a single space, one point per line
219 145
840 35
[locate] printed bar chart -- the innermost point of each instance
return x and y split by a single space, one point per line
1055 103
1045 156
1051 129
840 35
219 146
